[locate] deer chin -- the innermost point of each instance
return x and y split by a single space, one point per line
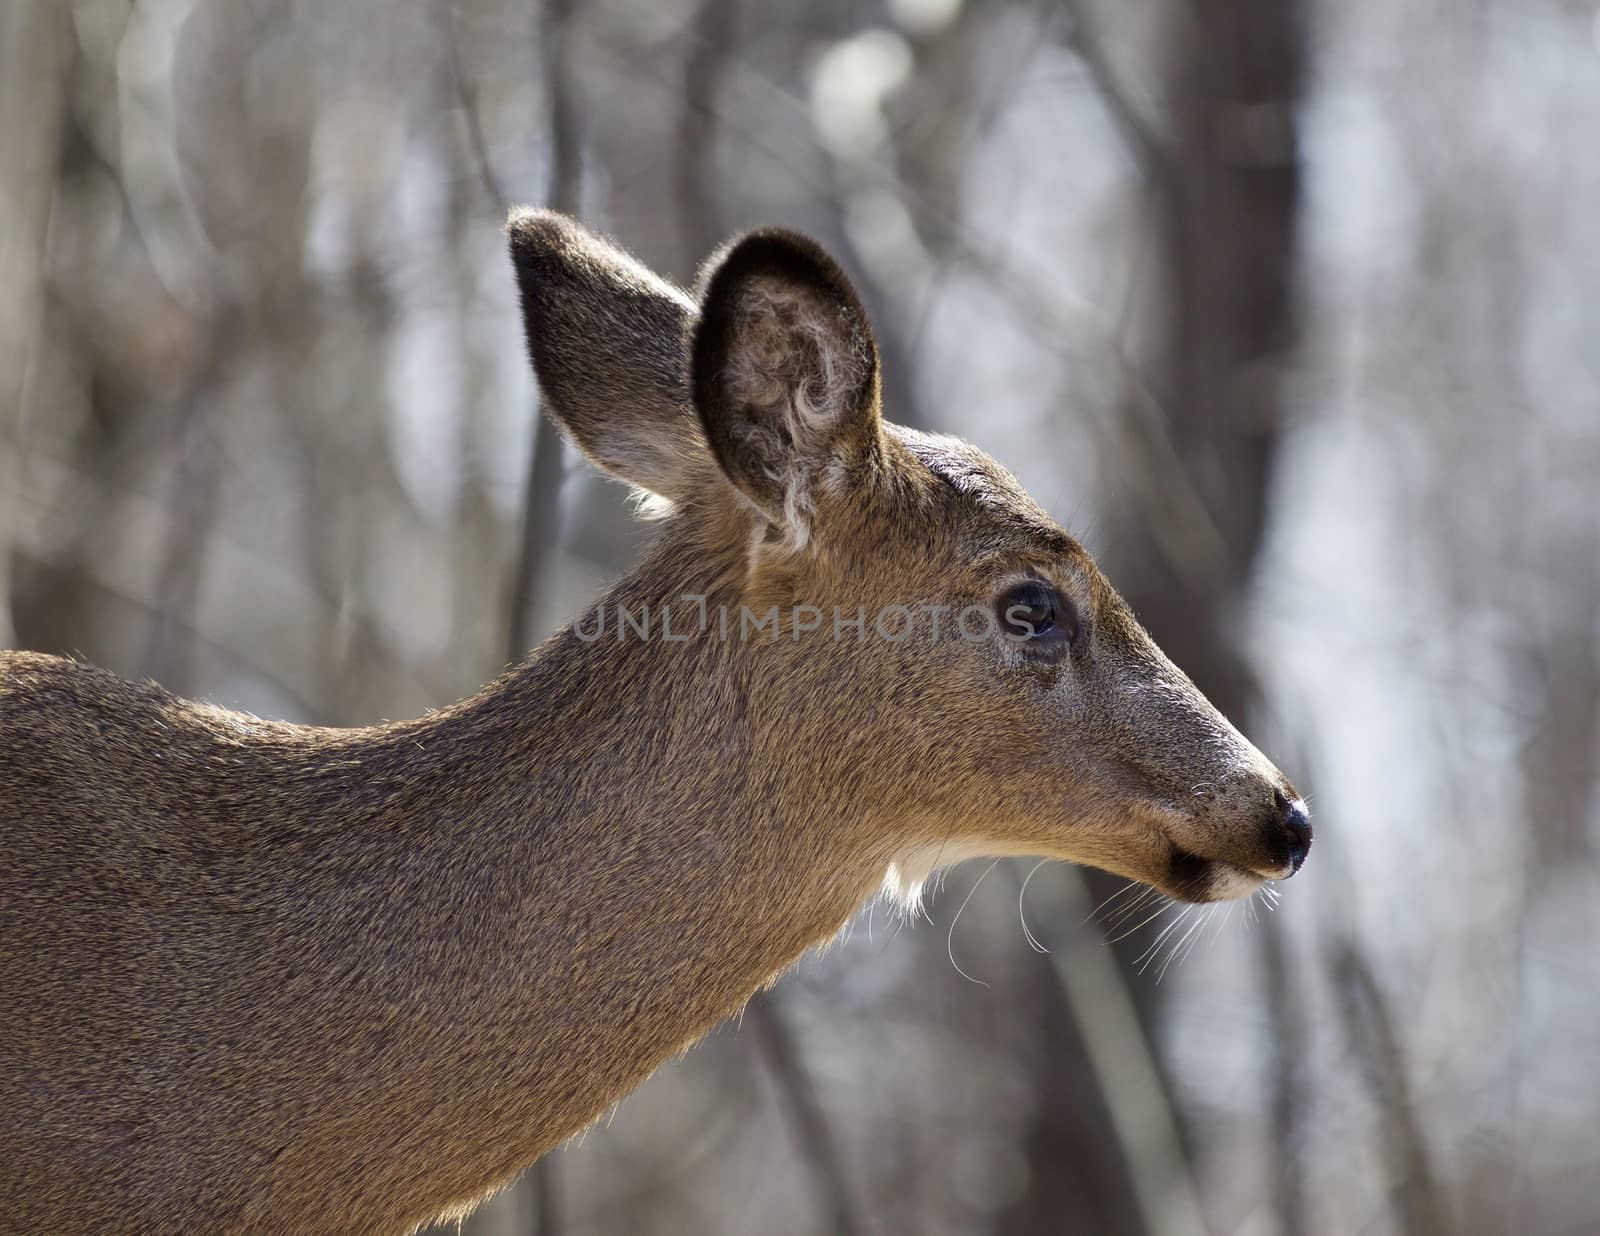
1190 877
1187 877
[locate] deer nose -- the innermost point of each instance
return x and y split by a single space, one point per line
1292 827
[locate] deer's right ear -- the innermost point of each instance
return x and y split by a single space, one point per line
606 336
785 374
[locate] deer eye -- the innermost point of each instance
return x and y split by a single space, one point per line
1032 611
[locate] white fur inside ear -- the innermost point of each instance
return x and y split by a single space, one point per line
799 366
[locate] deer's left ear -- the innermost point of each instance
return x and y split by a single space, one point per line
607 340
784 370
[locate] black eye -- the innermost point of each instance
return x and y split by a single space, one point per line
1033 611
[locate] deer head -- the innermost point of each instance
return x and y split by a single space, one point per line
925 635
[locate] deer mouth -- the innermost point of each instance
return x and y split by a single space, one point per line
1194 878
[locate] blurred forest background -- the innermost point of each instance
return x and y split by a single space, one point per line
1289 308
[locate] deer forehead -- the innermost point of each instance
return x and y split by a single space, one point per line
955 497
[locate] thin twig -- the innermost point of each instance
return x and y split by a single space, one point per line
1142 141
1136 1098
1286 1062
467 92
807 1122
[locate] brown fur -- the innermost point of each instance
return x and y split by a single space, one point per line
272 978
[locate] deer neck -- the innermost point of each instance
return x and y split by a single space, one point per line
638 870
661 802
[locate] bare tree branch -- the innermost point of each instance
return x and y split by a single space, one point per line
194 504
32 98
1370 1023
699 219
542 505
1142 1114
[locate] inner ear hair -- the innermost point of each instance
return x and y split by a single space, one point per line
784 372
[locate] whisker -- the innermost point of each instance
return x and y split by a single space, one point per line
1130 909
1142 923
1143 959
950 936
1157 953
1199 922
1221 919
1109 901
1205 926
1226 919
1022 914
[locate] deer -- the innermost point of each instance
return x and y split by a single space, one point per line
274 978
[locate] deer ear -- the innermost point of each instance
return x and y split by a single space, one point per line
607 338
784 371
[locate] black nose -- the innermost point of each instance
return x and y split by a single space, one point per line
1294 830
